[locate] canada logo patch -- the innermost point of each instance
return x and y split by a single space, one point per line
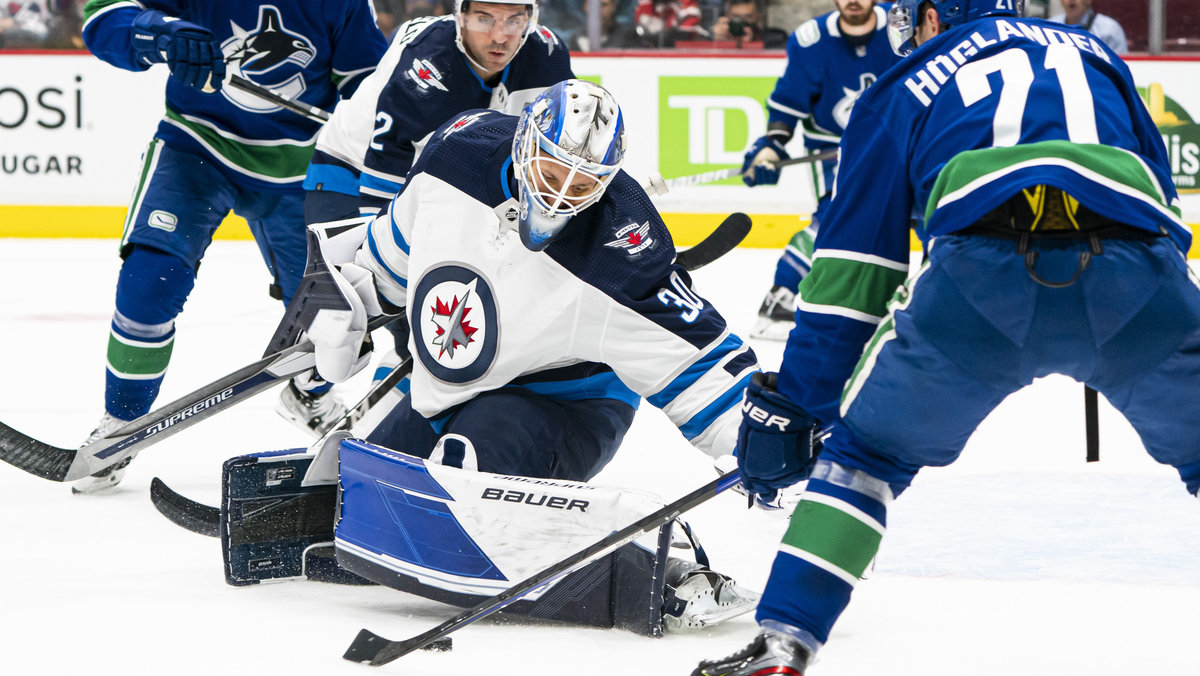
633 239
426 75
455 327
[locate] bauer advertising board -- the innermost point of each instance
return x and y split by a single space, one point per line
72 130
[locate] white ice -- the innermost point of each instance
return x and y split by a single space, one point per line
1018 560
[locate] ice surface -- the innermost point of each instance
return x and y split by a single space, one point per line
1017 560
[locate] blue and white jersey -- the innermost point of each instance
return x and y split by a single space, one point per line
424 79
826 73
310 52
968 120
603 311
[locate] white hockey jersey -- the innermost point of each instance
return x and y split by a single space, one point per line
603 302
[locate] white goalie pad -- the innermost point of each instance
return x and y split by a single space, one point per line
469 532
340 240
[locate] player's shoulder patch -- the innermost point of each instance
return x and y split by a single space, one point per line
546 37
410 30
809 33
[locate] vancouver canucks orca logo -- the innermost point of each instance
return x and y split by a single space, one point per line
454 323
841 109
270 55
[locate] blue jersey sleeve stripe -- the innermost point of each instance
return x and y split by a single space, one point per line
398 237
331 178
370 182
705 418
694 372
379 259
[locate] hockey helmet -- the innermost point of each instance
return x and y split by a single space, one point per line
569 144
518 28
905 16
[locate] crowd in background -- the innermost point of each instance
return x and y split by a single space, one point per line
625 24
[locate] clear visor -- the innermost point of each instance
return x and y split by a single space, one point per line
513 24
901 29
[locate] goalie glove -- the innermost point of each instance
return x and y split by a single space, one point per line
337 333
190 51
775 446
760 165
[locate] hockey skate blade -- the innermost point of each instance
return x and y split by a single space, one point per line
377 650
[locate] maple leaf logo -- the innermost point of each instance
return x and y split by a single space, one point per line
450 320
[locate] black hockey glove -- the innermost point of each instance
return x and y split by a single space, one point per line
775 441
190 51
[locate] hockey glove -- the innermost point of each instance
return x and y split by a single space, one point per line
337 333
760 165
190 51
775 441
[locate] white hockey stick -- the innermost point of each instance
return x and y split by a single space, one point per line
657 185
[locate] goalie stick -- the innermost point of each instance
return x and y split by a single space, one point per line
369 647
719 242
205 520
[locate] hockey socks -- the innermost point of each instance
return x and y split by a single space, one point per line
833 536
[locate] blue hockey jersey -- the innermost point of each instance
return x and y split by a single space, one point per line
311 52
825 75
966 121
424 79
601 311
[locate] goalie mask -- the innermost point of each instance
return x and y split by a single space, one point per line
569 144
906 15
495 21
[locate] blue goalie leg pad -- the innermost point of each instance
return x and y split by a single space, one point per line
400 527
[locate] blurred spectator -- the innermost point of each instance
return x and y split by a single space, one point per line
744 21
389 14
24 23
660 23
1080 13
613 34
568 19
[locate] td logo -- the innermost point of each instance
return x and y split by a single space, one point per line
706 123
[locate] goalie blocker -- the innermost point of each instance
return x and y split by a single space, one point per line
457 536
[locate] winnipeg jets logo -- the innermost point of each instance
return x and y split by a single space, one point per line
453 328
463 122
841 109
425 75
258 53
633 238
456 331
549 37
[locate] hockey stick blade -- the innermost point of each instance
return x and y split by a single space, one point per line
205 520
194 516
369 647
719 242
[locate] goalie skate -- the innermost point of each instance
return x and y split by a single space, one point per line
771 652
312 412
108 477
776 315
697 597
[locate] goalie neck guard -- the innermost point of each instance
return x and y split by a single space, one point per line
569 143
906 15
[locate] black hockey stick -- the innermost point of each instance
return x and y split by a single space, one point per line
205 520
68 464
719 242
299 107
1091 423
368 647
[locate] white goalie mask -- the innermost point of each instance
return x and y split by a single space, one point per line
463 19
569 144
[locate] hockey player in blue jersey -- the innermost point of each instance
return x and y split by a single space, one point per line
832 59
543 302
217 149
1053 244
486 55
